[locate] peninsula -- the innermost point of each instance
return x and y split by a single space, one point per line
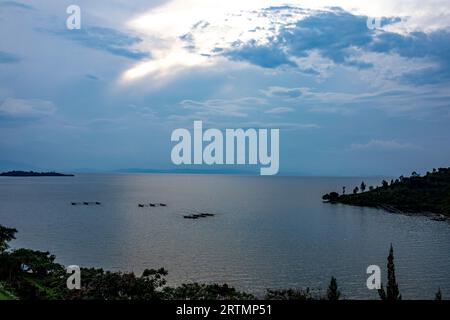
428 194
33 174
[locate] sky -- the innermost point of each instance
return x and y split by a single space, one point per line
349 99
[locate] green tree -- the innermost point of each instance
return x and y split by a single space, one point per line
36 262
6 235
196 291
331 197
333 292
391 293
292 294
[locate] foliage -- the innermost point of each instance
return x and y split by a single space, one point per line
36 262
363 186
98 284
195 291
331 197
5 293
391 293
333 293
417 194
292 294
6 235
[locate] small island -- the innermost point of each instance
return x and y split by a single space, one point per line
33 174
427 195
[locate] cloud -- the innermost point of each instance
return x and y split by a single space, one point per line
381 145
110 40
433 46
334 33
410 101
264 56
290 126
279 110
286 36
283 92
343 38
91 76
15 4
6 57
331 33
222 107
21 108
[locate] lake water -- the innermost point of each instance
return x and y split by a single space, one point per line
268 232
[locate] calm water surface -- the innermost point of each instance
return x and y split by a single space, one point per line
268 232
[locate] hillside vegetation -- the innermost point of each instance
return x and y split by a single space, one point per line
428 194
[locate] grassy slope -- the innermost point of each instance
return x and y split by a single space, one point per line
430 193
5 294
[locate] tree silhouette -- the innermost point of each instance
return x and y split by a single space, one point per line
333 293
355 191
363 186
438 295
392 293
6 235
343 190
385 184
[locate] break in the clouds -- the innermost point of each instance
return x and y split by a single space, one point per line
347 98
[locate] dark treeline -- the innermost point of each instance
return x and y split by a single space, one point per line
34 275
427 194
16 173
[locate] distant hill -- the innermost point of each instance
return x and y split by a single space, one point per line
33 174
428 194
